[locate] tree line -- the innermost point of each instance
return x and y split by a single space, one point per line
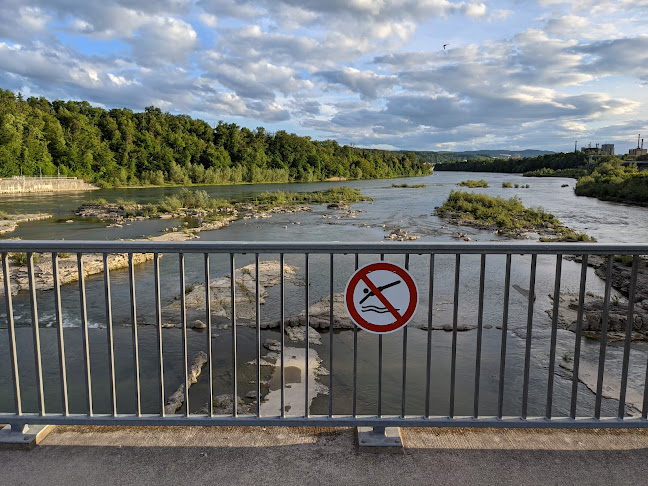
120 147
559 161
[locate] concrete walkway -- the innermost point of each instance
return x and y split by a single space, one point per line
306 455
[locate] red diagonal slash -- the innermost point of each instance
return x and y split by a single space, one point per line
380 296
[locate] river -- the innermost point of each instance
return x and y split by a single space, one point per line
406 208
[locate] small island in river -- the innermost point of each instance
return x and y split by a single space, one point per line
507 217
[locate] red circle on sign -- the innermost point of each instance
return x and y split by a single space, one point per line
362 275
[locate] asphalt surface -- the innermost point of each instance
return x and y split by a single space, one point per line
307 455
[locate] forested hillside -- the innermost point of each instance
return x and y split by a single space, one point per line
559 161
120 147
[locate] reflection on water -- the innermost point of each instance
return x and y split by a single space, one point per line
409 209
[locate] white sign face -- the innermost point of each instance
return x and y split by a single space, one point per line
381 297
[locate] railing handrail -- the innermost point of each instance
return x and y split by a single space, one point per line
320 247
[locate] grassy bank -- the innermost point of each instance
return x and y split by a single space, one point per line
509 217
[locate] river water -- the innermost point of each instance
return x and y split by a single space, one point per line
406 208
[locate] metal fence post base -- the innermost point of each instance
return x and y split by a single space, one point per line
23 436
379 439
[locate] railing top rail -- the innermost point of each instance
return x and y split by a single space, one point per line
504 247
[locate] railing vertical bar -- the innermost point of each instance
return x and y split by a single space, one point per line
480 329
355 355
380 362
577 337
59 330
282 291
428 365
628 336
183 320
331 320
233 307
404 390
455 315
529 331
505 312
258 334
110 335
84 333
12 333
554 335
158 318
603 344
36 333
208 321
133 309
307 338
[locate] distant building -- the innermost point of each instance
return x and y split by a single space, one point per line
605 149
516 156
636 152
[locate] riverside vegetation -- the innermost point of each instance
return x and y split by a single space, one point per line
508 217
614 181
119 147
610 179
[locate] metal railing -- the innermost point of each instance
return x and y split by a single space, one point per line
348 382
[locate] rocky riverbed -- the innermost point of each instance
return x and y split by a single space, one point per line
245 290
593 307
68 265
10 222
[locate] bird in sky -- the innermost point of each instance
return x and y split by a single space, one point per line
444 45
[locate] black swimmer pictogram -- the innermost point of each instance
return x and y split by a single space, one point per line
375 308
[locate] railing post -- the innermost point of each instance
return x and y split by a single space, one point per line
379 439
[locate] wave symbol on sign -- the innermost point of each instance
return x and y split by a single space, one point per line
376 309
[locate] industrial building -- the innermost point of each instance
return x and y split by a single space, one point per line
605 149
639 151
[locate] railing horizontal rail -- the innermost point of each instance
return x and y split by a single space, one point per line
326 420
494 248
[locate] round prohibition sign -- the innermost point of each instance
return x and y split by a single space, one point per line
381 297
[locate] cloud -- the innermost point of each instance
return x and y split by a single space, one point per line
163 40
366 83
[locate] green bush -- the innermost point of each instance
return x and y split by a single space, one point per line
507 185
20 259
473 183
614 181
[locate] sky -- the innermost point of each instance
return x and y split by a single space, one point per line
393 74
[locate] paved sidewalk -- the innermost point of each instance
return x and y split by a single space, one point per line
307 455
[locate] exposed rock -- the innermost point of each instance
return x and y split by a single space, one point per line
198 324
448 327
298 333
593 317
101 211
295 389
223 405
12 221
245 294
272 345
68 270
319 316
338 205
175 401
401 235
523 291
